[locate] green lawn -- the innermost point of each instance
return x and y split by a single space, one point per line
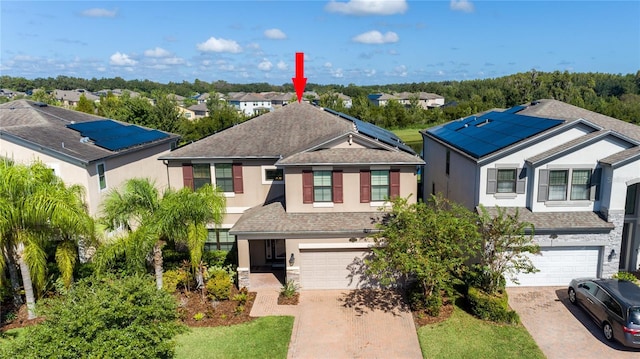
464 336
409 134
266 337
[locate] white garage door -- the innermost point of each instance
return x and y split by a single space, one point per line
558 265
333 269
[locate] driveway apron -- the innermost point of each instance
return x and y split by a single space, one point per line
561 329
351 324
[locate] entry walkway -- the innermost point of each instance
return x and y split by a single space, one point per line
345 324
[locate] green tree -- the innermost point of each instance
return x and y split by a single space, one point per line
37 210
150 221
426 242
506 241
44 96
102 318
85 105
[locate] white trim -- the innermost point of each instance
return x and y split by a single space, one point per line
222 226
379 204
323 204
508 166
242 269
360 245
229 194
263 169
293 268
505 195
236 210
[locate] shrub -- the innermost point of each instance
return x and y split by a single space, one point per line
289 289
626 276
215 258
238 310
174 279
241 298
102 318
198 316
229 270
219 285
491 307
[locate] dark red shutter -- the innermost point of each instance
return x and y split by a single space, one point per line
236 169
187 175
307 187
365 186
337 186
394 181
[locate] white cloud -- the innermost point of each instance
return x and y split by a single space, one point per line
328 65
157 52
173 61
400 71
368 7
275 34
461 5
265 65
376 37
219 45
337 73
369 72
282 65
97 12
119 59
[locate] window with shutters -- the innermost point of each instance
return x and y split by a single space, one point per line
572 184
558 185
322 186
379 185
506 180
201 175
224 177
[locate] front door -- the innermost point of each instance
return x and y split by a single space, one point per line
275 251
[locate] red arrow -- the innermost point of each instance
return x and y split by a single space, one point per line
299 82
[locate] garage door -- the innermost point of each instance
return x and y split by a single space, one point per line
558 265
333 269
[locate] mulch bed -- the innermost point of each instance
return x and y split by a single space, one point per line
421 318
282 300
196 311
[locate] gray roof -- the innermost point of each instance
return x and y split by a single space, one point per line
559 221
621 156
198 107
249 97
44 128
273 219
352 156
564 111
280 133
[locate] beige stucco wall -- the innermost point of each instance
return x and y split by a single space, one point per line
351 190
141 163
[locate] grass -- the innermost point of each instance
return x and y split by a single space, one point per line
266 337
464 336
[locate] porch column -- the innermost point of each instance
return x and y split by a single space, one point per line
243 263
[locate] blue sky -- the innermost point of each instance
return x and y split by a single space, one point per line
363 42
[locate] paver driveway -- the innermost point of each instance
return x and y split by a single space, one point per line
562 330
353 324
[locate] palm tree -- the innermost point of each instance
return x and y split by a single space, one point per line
37 210
149 221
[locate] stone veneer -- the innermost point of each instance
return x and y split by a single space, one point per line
243 278
293 273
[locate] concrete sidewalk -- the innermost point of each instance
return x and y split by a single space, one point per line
345 324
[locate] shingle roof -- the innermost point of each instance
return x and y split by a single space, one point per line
561 221
352 156
615 158
45 127
273 219
282 132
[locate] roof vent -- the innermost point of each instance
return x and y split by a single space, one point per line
40 104
533 103
485 122
84 139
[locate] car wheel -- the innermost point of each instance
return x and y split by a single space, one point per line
572 296
607 330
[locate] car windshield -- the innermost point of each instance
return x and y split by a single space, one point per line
634 315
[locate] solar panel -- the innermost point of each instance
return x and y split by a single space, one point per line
374 131
116 136
492 131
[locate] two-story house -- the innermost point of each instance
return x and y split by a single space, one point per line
303 187
96 153
250 103
571 172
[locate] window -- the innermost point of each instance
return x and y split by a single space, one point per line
379 185
274 174
201 175
322 186
506 181
448 162
224 177
558 185
102 179
219 239
630 201
580 184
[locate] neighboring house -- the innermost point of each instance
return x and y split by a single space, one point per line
571 172
303 188
279 99
200 110
424 100
117 92
83 149
70 98
187 113
346 100
251 103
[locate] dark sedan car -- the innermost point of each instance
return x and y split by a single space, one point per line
613 304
